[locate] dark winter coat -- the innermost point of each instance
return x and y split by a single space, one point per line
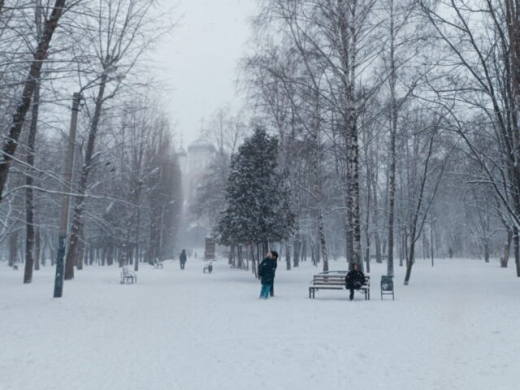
183 257
266 271
354 279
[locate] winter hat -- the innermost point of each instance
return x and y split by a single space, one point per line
274 253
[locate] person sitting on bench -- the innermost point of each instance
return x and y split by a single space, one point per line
354 280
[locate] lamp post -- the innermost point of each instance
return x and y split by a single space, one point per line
65 205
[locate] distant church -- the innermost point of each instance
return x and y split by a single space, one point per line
194 163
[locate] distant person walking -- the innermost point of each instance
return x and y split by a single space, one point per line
275 258
354 280
183 258
266 272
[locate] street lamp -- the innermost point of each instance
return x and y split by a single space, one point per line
65 206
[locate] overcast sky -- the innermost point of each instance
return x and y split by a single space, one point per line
199 62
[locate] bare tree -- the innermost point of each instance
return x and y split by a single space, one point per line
39 56
117 43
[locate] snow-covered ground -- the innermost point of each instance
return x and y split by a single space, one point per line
455 327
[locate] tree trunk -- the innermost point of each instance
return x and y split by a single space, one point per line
104 251
486 250
313 254
81 250
240 257
254 268
110 255
29 181
404 247
432 228
122 256
354 193
288 254
44 248
296 254
86 257
37 249
415 217
52 253
138 217
322 242
77 221
13 248
392 146
410 259
507 249
154 240
11 141
375 214
517 251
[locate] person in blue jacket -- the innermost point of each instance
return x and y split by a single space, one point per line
266 273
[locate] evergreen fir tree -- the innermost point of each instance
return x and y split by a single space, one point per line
257 198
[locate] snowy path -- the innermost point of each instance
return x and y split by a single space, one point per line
454 327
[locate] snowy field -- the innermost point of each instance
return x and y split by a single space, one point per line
455 327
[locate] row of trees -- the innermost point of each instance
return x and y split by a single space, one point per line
397 123
125 189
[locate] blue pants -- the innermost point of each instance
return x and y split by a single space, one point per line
266 289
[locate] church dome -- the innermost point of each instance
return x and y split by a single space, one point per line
201 145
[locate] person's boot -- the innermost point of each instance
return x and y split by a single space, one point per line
351 295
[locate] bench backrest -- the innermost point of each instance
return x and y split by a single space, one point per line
334 280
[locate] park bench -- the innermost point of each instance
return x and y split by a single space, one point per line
158 264
387 286
208 268
128 276
335 280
